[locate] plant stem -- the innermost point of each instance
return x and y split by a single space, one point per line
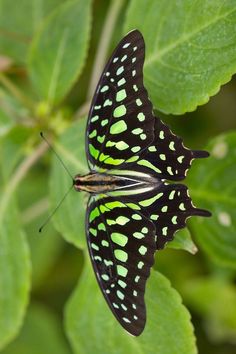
18 94
20 173
83 110
35 210
107 31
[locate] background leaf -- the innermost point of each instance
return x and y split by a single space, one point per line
213 186
205 295
182 240
192 66
41 333
59 50
11 112
69 219
191 49
45 247
12 149
6 122
14 273
168 329
17 28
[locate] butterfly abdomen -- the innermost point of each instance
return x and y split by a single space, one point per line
103 183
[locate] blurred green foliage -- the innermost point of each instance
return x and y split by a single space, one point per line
51 55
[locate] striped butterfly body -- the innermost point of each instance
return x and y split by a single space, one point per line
132 211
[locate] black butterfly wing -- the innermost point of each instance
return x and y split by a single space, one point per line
123 233
168 207
121 244
166 157
124 230
121 121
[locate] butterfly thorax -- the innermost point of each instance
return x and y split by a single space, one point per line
102 183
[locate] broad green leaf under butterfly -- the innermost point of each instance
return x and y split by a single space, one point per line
217 191
59 50
132 211
191 49
169 330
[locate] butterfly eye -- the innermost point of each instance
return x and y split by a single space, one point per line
78 182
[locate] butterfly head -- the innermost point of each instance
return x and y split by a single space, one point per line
77 183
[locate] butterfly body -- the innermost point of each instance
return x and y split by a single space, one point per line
107 183
134 207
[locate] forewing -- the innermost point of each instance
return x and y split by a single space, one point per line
166 157
121 243
121 120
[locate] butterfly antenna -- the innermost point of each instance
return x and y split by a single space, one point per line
54 211
65 167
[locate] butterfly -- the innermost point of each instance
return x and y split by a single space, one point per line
134 208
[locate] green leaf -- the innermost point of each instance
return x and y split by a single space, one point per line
17 28
12 149
11 112
45 250
212 184
6 120
59 50
14 272
168 329
45 247
191 49
208 297
183 241
41 333
5 123
69 219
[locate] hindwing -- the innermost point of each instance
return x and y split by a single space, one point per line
168 206
121 243
123 233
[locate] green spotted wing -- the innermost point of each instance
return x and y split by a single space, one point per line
121 257
122 131
121 121
126 226
168 206
166 157
123 233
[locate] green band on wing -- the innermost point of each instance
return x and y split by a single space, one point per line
150 201
148 164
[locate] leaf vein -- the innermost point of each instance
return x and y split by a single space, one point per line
184 38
